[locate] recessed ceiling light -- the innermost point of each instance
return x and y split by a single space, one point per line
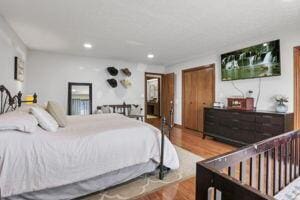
265 44
150 56
87 45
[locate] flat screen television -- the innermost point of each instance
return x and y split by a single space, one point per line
258 61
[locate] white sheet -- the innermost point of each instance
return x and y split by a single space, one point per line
88 147
291 192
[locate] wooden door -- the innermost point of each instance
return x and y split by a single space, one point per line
198 92
297 88
190 100
205 93
168 96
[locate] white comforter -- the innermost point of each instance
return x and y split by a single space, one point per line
88 147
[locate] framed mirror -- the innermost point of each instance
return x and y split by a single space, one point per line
80 98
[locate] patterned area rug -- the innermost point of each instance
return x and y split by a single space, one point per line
148 183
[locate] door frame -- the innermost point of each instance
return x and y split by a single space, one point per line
70 84
212 66
145 91
297 87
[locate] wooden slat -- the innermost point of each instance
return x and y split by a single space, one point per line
292 161
210 195
242 171
285 164
261 172
280 167
296 158
267 173
275 167
218 195
232 171
251 176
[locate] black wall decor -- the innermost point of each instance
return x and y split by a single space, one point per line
112 82
126 71
112 71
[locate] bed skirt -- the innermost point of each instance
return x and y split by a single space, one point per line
89 186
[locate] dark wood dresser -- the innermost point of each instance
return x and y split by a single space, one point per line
245 127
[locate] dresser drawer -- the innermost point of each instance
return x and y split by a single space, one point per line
229 122
247 125
210 127
269 128
269 119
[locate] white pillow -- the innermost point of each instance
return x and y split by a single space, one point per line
58 113
20 121
46 121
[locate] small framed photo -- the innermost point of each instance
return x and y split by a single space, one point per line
19 69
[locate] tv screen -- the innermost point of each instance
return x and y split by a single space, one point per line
258 61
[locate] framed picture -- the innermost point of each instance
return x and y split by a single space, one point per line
258 61
19 69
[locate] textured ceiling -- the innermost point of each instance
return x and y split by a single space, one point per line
173 30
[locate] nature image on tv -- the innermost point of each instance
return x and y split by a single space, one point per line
258 61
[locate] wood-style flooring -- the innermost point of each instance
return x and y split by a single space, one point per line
191 141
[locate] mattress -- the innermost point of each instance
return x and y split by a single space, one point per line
88 147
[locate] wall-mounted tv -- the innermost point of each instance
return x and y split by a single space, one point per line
258 61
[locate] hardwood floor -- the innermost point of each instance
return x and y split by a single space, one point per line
191 141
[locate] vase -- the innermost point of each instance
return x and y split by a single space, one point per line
281 108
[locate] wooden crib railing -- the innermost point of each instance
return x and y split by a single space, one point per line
258 171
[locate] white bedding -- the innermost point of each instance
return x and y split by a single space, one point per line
291 192
90 146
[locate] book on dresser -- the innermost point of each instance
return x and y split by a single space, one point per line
241 128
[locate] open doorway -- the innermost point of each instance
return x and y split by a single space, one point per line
153 85
159 97
297 87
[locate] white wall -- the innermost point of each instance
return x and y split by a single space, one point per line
10 46
270 86
48 75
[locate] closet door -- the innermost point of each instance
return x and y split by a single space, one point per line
205 93
190 100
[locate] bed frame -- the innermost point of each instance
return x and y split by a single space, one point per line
258 171
10 103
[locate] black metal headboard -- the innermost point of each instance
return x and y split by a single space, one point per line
10 103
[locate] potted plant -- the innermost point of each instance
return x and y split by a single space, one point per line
280 103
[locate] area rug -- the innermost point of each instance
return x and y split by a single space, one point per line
152 117
149 183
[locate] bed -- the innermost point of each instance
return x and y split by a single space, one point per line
267 170
91 154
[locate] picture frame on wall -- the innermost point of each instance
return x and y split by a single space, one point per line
19 69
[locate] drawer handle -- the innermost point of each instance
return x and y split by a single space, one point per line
267 134
267 116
